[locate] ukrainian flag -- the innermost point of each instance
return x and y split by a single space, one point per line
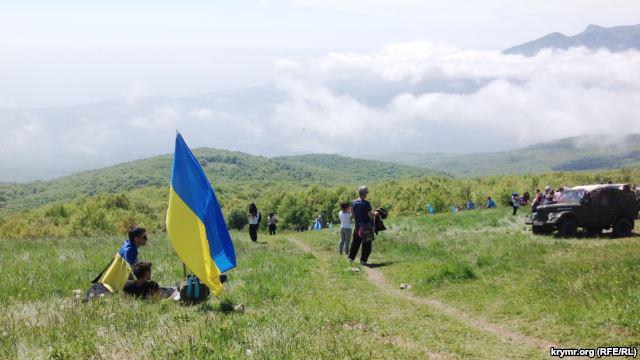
117 273
195 223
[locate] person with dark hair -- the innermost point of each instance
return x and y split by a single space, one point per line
113 278
345 217
363 215
491 204
253 216
515 202
142 286
271 222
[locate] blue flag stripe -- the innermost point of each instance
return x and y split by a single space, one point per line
191 184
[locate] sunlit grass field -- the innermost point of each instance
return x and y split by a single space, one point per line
310 304
582 292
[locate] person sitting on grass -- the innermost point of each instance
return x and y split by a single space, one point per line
116 274
142 286
490 203
470 205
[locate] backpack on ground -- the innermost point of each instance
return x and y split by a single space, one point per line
192 291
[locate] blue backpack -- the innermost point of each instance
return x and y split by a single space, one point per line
192 291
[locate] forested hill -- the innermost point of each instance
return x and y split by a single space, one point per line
222 167
594 152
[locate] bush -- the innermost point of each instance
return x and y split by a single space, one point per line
237 219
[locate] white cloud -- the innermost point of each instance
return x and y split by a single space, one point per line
417 97
530 99
286 64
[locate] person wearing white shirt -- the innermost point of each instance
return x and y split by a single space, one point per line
345 228
254 220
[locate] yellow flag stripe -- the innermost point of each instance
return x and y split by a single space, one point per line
189 238
116 275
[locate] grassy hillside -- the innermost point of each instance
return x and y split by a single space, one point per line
482 288
226 169
571 154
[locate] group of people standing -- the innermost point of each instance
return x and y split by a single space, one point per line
361 214
357 225
254 217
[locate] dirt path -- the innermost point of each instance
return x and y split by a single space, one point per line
376 277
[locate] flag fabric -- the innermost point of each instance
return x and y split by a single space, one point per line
117 273
195 224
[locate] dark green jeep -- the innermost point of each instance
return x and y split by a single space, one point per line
593 208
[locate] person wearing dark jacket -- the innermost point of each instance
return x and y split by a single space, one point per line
363 216
142 286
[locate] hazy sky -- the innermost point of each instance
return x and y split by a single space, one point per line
353 77
73 52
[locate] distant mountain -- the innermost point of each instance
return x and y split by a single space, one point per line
618 38
592 152
224 168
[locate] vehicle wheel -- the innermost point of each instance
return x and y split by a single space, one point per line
568 228
594 231
623 227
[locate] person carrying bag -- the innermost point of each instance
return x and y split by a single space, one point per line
364 229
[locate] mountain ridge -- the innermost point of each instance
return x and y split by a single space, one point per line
616 38
587 152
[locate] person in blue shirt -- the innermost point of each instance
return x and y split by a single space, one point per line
116 274
490 203
430 209
470 205
363 216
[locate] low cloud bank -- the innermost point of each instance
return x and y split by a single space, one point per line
416 97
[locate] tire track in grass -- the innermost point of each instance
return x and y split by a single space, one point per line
401 342
377 278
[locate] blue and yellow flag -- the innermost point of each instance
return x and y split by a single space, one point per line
195 223
117 273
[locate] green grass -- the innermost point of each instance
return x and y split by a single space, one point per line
577 292
298 305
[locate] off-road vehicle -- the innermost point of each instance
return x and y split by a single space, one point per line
593 208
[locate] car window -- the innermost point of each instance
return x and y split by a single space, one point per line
571 197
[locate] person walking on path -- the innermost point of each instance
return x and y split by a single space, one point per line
363 215
254 219
345 228
271 221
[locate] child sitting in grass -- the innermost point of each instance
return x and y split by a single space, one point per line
345 228
142 286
